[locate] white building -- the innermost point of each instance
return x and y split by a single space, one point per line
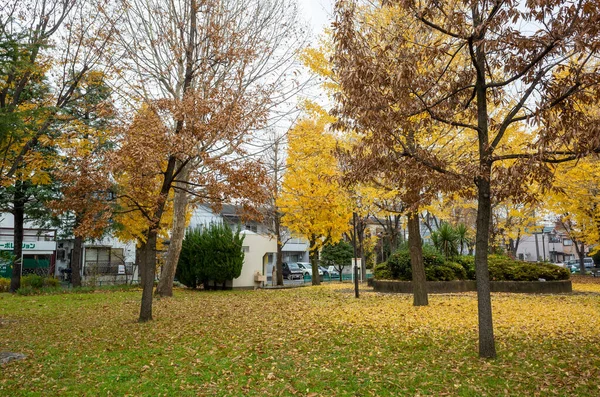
259 246
550 244
104 261
39 248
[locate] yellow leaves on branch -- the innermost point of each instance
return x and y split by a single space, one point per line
312 200
576 196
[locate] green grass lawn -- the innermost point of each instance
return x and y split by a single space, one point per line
305 342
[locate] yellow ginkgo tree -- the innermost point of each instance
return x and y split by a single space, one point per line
576 201
313 203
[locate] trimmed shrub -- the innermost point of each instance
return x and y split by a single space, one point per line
381 272
501 268
212 254
439 273
4 284
468 264
33 281
459 271
398 266
51 282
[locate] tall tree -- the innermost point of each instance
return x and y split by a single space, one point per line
477 70
576 200
196 46
48 47
312 201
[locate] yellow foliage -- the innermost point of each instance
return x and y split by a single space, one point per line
312 201
576 198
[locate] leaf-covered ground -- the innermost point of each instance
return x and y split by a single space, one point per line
307 342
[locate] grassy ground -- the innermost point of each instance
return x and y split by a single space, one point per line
305 342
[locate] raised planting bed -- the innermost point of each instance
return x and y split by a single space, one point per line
444 287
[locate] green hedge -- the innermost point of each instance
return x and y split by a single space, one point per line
437 269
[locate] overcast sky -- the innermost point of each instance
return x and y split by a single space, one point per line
318 13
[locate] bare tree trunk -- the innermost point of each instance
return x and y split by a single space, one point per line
537 248
165 284
19 218
279 257
416 260
76 262
148 251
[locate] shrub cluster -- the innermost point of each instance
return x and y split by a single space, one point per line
398 266
36 282
4 284
211 254
501 268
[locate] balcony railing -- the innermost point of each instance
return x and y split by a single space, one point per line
107 269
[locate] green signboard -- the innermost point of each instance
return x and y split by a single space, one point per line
6 260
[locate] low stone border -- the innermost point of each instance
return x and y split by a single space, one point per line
444 287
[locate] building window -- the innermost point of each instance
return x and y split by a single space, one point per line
252 228
245 248
567 241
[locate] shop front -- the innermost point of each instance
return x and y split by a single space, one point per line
38 258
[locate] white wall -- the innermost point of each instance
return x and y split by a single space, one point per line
255 258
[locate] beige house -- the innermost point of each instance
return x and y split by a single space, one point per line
259 250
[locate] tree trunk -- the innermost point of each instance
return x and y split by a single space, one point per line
139 261
279 263
537 248
487 346
581 254
314 261
279 257
416 260
165 284
360 234
76 262
148 251
19 218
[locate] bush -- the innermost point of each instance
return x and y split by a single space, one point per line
381 272
25 291
459 271
33 281
468 264
212 254
440 273
505 269
501 268
398 266
4 284
38 282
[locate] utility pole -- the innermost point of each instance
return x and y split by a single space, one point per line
354 248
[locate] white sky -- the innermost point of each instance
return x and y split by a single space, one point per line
318 13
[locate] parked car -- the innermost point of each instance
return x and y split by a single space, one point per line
574 267
292 271
307 269
330 273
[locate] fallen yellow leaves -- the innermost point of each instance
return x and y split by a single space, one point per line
318 341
